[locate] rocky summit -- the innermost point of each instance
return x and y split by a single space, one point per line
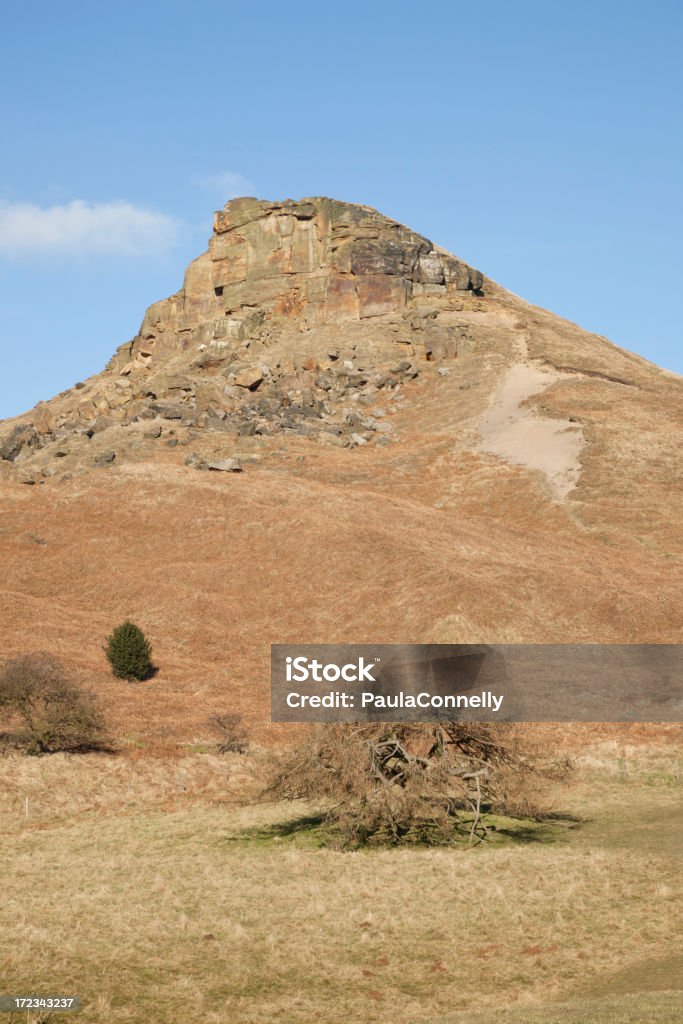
299 318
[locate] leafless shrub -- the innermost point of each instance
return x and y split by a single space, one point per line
51 711
414 783
232 735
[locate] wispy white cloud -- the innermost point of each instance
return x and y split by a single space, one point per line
82 229
227 185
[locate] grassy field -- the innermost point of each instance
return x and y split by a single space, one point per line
145 888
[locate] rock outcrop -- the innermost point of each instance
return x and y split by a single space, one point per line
317 262
298 319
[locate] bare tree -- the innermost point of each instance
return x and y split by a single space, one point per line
51 711
414 783
232 735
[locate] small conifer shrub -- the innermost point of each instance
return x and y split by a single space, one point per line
129 652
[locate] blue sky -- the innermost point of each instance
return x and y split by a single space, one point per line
541 142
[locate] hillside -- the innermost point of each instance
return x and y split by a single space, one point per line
337 431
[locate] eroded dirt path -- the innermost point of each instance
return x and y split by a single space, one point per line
519 435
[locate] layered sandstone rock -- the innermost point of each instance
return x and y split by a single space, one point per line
309 265
296 310
317 262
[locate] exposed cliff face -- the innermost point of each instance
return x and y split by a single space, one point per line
315 262
295 310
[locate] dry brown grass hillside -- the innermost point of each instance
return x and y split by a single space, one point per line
520 481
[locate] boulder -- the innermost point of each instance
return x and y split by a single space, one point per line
224 466
104 458
43 419
21 437
170 410
102 423
249 378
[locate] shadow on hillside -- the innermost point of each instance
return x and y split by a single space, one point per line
551 827
17 743
312 830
